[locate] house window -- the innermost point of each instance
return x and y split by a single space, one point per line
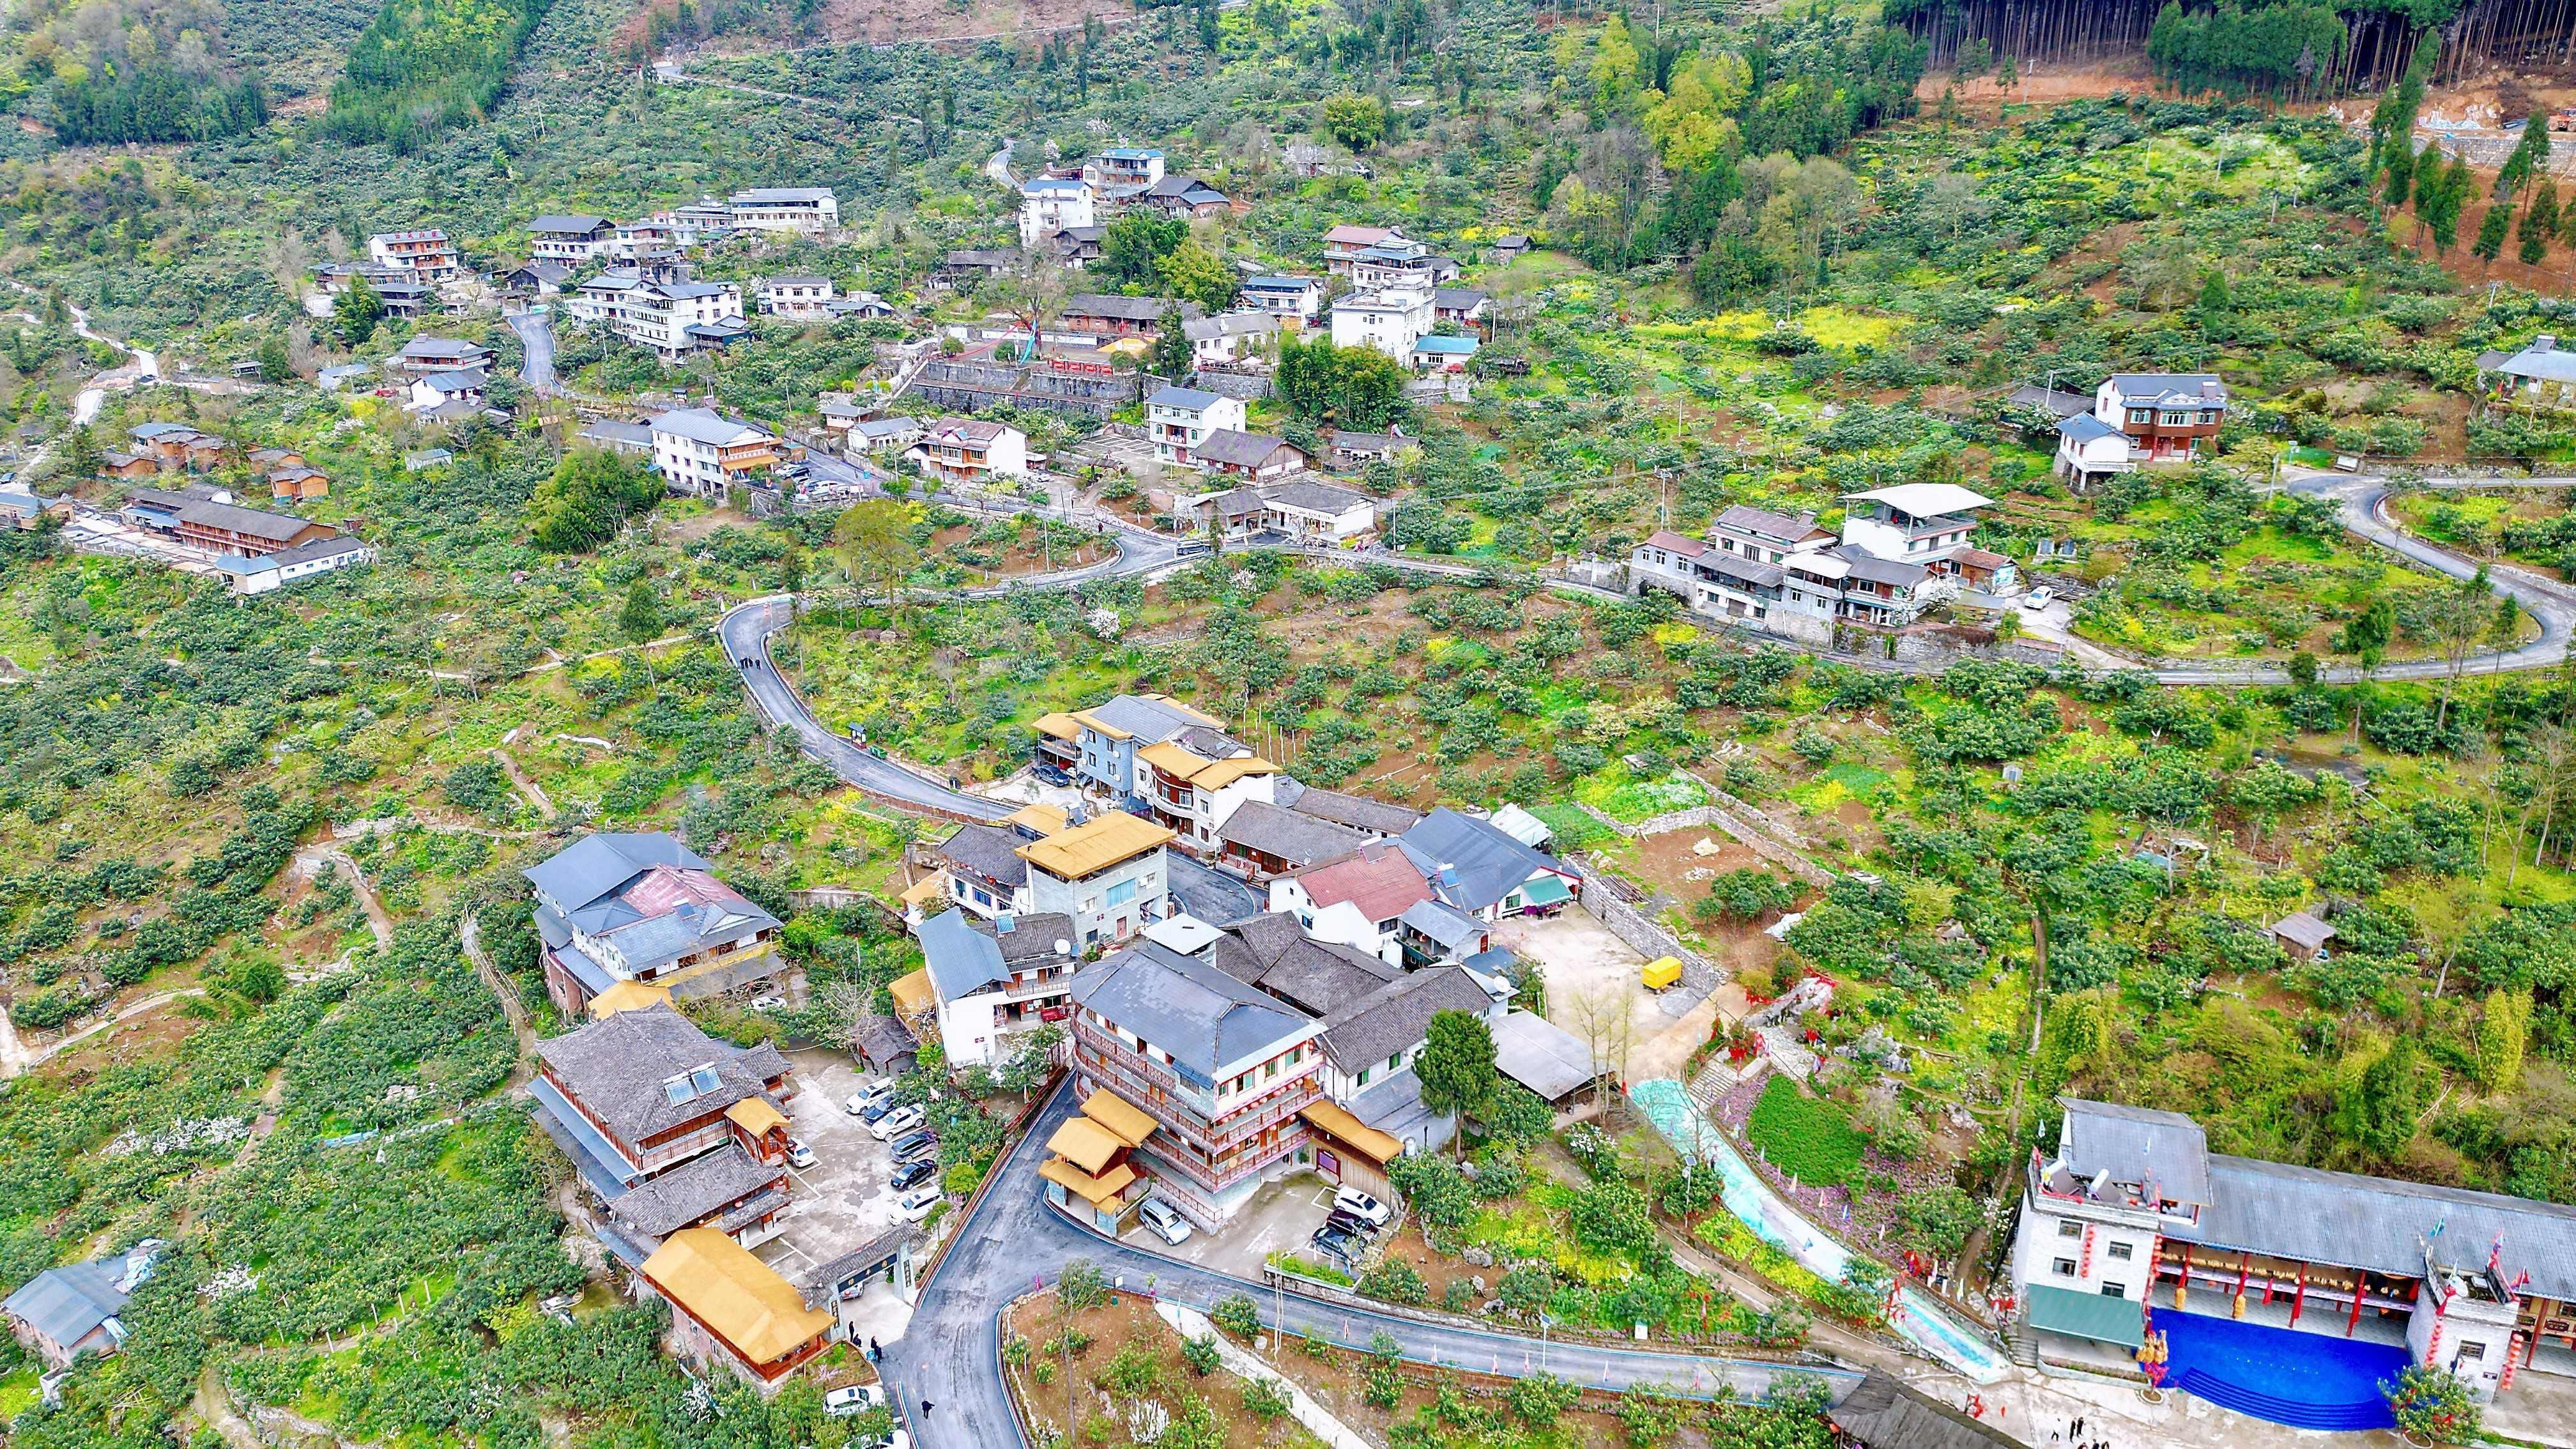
1363 1079
2069 1228
2063 1267
1394 1062
1269 1069
1121 893
2122 1251
2471 1352
2115 1290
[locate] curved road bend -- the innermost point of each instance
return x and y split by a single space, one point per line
950 1354
536 349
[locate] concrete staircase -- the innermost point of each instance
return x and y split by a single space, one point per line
1785 1051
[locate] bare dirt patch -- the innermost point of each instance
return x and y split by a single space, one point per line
2042 85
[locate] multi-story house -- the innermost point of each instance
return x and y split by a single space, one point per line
1105 741
1409 266
645 909
805 210
1295 299
441 354
570 239
1392 321
1193 793
996 979
1222 1067
1111 875
980 870
223 527
2132 1209
1917 523
1184 198
2166 416
1124 171
1053 204
661 306
426 255
703 453
970 451
1179 419
797 296
1356 900
642 1091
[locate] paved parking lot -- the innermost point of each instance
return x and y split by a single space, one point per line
1589 972
1277 1219
842 1201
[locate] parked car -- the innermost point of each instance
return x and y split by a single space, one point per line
1336 1243
2039 598
799 1155
843 1403
916 1204
874 1094
916 1172
1165 1220
895 1123
916 1144
1341 1221
768 1001
1362 1206
895 1439
880 1108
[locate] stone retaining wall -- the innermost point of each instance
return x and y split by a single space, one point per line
1642 933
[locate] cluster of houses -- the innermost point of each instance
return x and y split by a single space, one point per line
1901 550
254 550
1245 1047
1063 206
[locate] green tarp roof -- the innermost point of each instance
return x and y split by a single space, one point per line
1545 890
2096 1316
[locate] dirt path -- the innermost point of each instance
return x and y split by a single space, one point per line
312 858
528 789
147 1004
512 1008
214 1406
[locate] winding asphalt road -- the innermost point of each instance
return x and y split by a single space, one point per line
536 349
950 1355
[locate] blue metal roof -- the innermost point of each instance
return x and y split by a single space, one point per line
602 1165
1456 346
962 960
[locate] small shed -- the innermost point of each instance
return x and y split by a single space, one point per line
2303 935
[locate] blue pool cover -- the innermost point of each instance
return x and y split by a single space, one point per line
2284 1376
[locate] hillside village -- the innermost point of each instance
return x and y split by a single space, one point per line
1298 723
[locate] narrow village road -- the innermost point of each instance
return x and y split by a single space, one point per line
536 331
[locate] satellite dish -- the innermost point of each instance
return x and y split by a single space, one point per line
1063 947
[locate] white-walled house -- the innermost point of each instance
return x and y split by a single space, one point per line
1050 204
702 452
1356 900
1295 299
2089 450
805 210
995 979
1192 795
970 450
1916 523
1179 419
1392 321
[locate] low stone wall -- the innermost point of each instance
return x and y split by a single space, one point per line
1729 817
1247 386
1642 933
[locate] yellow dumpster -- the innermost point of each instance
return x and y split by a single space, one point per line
1663 971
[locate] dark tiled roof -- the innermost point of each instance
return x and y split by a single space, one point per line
617 1069
1290 835
1208 1020
1397 1016
989 852
1273 952
692 1192
1357 811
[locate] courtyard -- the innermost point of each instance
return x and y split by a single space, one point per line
1594 991
844 1200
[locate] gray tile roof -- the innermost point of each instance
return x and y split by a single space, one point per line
2086 428
1299 839
1272 951
1149 721
618 1067
988 852
2063 404
1473 865
1129 309
1377 817
1870 568
2137 1144
1206 1019
1442 925
2169 389
1542 1056
1315 496
1239 450
1033 935
692 1192
2379 1223
1397 1016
